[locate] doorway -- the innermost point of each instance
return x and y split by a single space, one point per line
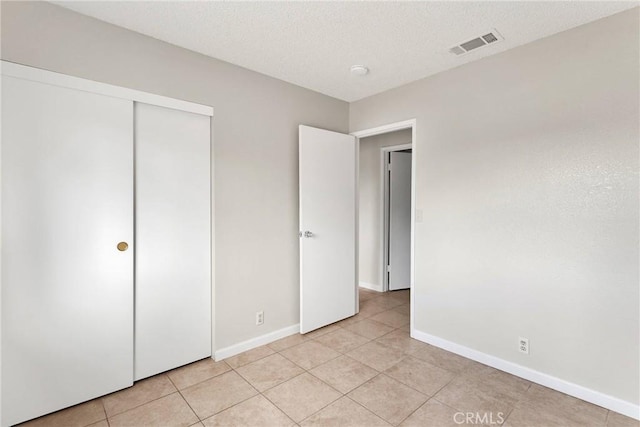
400 136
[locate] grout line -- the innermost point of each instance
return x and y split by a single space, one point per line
308 369
198 382
105 411
185 400
328 404
415 410
285 381
142 404
509 414
248 382
366 409
235 404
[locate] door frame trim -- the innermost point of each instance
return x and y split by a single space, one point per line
379 130
385 192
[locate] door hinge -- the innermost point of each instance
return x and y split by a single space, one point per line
388 269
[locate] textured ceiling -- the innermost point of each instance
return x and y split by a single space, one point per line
313 44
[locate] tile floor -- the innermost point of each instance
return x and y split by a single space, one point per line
364 371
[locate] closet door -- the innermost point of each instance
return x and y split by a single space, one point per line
67 291
173 243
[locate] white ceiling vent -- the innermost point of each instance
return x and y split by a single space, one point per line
490 37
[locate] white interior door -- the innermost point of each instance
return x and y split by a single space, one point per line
328 241
399 221
173 239
67 291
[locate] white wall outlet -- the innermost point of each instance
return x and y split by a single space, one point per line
260 318
523 345
418 215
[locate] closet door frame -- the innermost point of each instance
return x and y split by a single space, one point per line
62 80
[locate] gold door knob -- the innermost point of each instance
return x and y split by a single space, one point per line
123 246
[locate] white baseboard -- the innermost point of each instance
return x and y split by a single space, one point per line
243 346
371 286
609 402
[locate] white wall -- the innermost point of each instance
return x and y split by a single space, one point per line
371 220
527 173
255 142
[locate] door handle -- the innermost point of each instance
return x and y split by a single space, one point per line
122 246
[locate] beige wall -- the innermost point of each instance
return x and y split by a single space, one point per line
527 173
371 220
255 142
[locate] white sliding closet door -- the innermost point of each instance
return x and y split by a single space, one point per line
173 256
67 201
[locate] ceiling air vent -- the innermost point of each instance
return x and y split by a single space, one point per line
488 38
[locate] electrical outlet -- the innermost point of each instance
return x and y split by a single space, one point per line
523 345
260 318
418 215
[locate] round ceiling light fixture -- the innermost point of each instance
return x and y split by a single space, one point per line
359 70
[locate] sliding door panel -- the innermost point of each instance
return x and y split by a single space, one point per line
67 291
173 256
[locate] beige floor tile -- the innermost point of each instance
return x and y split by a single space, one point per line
302 396
369 328
441 358
257 411
75 416
422 376
389 302
617 420
287 342
391 318
196 372
371 307
249 356
403 309
170 410
141 392
526 416
351 320
342 340
309 354
544 399
217 394
102 423
322 331
365 296
376 355
404 296
401 340
469 397
434 413
344 373
388 398
344 412
486 376
269 371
